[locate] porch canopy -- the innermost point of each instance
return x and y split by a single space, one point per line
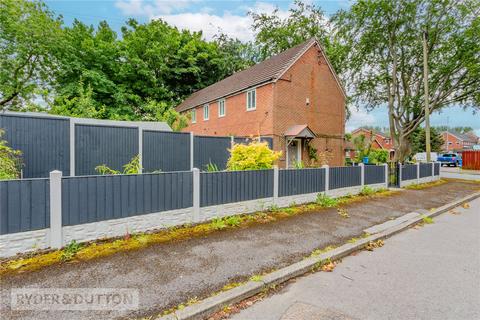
299 131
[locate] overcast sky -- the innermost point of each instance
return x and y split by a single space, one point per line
231 18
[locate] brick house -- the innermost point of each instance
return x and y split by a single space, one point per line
454 141
379 140
294 97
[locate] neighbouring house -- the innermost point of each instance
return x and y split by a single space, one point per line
379 141
456 142
294 97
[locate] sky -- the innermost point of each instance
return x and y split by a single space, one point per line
230 17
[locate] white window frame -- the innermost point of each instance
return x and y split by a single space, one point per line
206 112
219 102
250 108
193 115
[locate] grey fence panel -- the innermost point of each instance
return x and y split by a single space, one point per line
409 172
24 205
374 174
44 143
436 169
97 198
211 150
234 186
425 170
96 145
245 140
342 177
300 181
166 151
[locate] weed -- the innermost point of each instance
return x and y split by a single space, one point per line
274 208
317 252
367 191
353 240
218 224
325 201
290 211
427 220
256 278
212 167
233 221
70 251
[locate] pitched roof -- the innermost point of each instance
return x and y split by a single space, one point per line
299 130
462 136
263 72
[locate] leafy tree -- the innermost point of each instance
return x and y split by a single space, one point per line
363 146
236 55
418 140
459 129
385 58
378 156
274 34
156 111
10 161
29 34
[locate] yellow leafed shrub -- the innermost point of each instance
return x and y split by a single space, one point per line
253 156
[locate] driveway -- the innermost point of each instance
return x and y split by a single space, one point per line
427 273
171 273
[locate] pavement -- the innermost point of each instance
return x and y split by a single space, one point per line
431 272
171 273
459 173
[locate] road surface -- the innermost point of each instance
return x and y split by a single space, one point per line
432 272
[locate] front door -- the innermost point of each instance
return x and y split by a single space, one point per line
293 153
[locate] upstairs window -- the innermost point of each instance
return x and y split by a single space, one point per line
221 108
251 100
194 116
206 112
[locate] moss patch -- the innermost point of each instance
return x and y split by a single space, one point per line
421 186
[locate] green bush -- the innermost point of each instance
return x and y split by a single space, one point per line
10 161
366 191
253 156
377 156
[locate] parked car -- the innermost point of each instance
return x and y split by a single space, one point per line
449 159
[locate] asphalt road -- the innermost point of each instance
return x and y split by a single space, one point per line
458 173
432 272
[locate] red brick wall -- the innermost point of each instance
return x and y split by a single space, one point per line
237 120
310 77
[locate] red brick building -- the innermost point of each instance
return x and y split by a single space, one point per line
455 142
379 140
294 97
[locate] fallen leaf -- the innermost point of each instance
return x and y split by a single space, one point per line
466 205
453 212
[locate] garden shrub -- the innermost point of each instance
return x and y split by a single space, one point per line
325 201
253 156
10 161
133 167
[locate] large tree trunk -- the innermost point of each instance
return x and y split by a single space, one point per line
402 148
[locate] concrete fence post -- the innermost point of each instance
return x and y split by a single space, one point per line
362 174
140 148
433 170
232 141
275 184
386 174
399 175
196 194
327 177
72 147
191 150
418 172
56 237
